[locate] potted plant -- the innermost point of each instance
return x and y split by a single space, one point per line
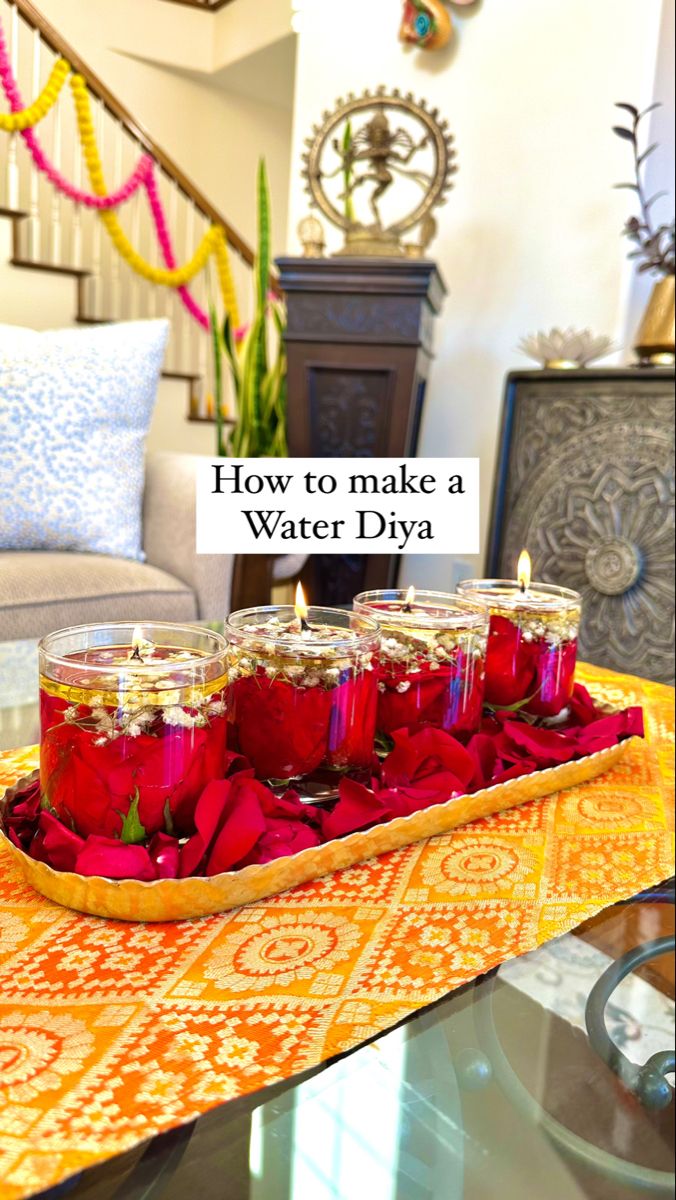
653 248
256 358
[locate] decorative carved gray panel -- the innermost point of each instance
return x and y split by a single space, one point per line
586 482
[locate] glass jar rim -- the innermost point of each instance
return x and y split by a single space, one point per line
150 668
544 597
462 611
354 639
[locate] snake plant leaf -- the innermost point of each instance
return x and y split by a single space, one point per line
218 379
259 365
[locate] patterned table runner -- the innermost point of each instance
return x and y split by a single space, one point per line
111 1033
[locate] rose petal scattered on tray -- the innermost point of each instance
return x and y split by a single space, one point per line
239 821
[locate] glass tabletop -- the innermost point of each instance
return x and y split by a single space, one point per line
497 1091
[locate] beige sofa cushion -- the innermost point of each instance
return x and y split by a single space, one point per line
40 592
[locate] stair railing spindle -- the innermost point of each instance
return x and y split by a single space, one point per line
33 230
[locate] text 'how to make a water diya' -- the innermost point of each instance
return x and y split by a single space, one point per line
133 726
532 647
432 659
303 690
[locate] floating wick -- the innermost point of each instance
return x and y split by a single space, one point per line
302 610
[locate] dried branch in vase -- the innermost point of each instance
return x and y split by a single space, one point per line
654 245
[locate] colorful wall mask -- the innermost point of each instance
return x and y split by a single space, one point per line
427 24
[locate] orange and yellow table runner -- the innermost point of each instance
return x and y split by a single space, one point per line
111 1033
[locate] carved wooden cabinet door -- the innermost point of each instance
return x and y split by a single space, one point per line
585 480
359 343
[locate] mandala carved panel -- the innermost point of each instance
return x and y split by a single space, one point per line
589 488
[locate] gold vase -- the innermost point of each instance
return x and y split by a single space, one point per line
655 338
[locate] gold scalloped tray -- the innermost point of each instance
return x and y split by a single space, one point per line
182 899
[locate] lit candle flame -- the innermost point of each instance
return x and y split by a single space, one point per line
525 571
410 599
301 608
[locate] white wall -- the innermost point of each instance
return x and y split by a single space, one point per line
216 137
529 238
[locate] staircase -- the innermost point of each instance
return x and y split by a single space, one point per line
52 235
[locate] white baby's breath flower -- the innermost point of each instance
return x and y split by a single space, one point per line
178 717
71 714
403 686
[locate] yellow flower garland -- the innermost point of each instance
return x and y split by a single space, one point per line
29 117
214 241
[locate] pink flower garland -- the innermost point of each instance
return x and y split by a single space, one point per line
143 175
13 94
164 239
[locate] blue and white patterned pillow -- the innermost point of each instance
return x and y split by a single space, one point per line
75 406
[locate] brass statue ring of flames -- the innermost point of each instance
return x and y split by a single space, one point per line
371 156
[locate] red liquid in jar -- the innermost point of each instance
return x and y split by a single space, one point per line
448 697
528 668
103 751
287 730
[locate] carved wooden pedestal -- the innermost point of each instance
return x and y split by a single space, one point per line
359 343
586 481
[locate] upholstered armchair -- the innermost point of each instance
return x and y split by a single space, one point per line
45 590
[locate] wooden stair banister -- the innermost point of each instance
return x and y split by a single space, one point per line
205 5
60 46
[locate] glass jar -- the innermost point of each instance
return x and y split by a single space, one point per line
532 646
432 658
133 726
302 696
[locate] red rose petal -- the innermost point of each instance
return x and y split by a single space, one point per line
244 823
357 808
60 846
165 854
483 750
426 753
110 859
545 746
281 839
